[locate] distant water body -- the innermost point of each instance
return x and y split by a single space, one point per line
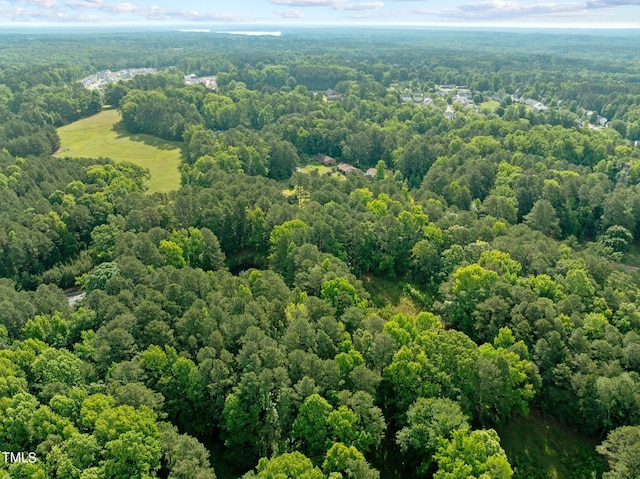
250 33
254 34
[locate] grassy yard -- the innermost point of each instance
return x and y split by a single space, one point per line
490 105
539 447
99 136
320 168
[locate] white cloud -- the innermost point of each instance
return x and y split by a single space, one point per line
159 13
43 3
70 11
611 3
359 6
119 8
345 5
295 13
84 4
103 7
378 15
501 10
506 10
28 15
308 3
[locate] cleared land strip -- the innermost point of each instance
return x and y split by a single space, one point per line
99 136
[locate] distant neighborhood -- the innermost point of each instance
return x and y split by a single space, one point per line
209 82
102 79
463 96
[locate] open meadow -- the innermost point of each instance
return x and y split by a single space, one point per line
541 447
99 135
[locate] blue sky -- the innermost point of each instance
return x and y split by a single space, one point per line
223 14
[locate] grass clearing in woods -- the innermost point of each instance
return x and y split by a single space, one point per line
389 295
321 169
100 136
540 447
632 257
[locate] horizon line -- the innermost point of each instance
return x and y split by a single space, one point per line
250 26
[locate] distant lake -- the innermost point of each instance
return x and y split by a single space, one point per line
252 33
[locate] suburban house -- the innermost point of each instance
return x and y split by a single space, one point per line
332 95
466 101
371 172
449 114
345 168
209 82
444 90
536 105
415 97
325 160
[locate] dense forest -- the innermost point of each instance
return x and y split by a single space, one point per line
275 317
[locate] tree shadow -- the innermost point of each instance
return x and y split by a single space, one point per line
149 140
540 446
381 290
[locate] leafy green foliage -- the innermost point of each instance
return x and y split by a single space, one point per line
472 454
156 113
292 464
311 425
621 450
429 421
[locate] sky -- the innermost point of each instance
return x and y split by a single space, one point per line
219 15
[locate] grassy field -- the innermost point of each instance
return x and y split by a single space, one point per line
99 136
539 447
321 169
490 105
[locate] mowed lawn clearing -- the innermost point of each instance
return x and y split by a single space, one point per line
322 170
99 135
491 105
540 447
